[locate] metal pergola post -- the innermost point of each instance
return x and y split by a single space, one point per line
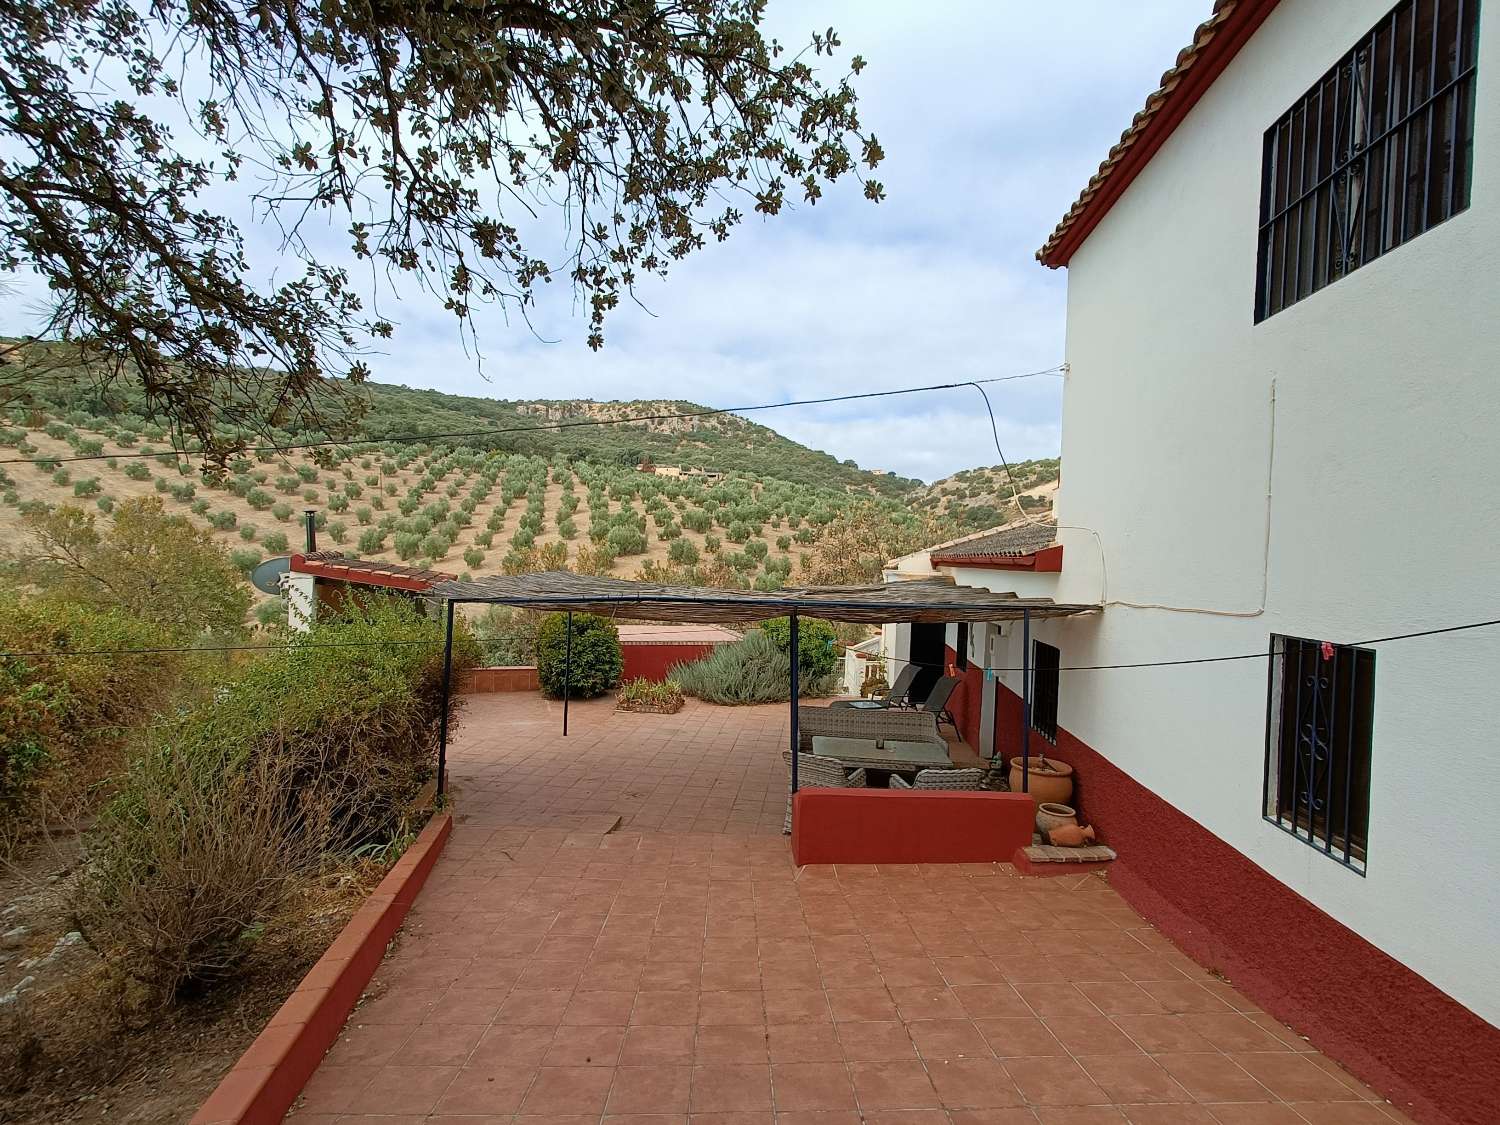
1026 701
796 691
567 671
442 765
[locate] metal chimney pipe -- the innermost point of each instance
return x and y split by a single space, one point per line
312 529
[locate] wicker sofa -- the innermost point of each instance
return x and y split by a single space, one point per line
843 722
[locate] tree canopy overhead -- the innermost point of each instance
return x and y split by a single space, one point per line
440 134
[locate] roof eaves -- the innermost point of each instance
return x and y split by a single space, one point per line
1215 43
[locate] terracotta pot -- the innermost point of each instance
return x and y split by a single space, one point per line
1050 816
1051 780
1070 836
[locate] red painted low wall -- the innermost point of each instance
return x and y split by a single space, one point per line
1390 1026
908 826
652 661
519 678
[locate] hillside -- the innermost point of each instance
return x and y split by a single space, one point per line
975 499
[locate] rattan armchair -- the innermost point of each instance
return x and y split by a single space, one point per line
941 779
841 722
814 772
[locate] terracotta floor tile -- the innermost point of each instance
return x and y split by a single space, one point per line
441 1044
1294 1078
664 1008
1256 1113
796 1005
861 1004
1054 1081
1185 996
1091 1035
403 1089
486 1089
1342 1113
503 1045
1132 1078
473 1005
585 1046
1015 1115
874 1041
332 1088
948 1039
1056 999
989 1001
373 1043
893 1085
1080 1115
1169 1113
533 1007
648 1045
1019 1038
743 1007
928 1002
803 1042
1213 1077
724 1088
650 1089
568 1089
973 1084
812 1085
752 1117
1122 998
1157 1034
1231 1031
731 1043
599 1009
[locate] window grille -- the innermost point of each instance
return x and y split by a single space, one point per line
1045 661
1320 704
1379 151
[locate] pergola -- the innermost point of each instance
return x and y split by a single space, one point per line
936 600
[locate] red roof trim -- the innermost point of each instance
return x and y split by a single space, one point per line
1198 66
1046 561
376 575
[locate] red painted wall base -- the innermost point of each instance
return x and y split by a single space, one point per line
1391 1027
652 661
896 826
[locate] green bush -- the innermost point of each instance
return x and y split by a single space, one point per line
311 751
595 663
625 541
248 532
61 477
224 520
338 531
682 552
105 504
371 541
89 487
245 560
507 636
138 470
275 542
473 558
752 670
815 643
283 512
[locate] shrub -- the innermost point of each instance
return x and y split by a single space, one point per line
473 558
61 477
641 694
199 507
815 642
248 532
245 560
507 636
626 541
138 470
363 515
275 542
89 487
682 552
752 670
223 520
371 541
283 512
315 750
105 504
259 499
595 652
338 531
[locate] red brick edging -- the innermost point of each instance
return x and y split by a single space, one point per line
271 1073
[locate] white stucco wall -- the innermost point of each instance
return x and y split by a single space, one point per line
1383 513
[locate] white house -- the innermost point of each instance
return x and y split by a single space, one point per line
1281 419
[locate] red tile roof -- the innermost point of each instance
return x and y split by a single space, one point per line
366 572
1216 42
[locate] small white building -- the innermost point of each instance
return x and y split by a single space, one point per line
1280 429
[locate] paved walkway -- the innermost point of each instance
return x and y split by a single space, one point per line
681 968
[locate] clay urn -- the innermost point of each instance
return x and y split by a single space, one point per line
1050 816
1051 781
1071 836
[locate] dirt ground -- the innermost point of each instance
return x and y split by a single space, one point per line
71 1052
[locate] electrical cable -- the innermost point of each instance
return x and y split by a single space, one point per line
553 426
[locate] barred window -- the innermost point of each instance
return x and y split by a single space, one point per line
1045 664
1318 736
1379 151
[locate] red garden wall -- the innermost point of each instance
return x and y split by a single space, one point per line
1391 1027
910 826
652 661
517 678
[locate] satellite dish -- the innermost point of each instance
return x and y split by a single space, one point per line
267 576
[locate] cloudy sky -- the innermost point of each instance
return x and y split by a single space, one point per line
993 114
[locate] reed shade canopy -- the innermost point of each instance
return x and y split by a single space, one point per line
935 600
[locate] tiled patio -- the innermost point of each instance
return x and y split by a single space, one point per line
681 968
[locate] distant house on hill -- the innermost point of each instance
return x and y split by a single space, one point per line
1280 421
678 471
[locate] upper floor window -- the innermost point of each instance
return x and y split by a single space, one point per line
1318 738
1377 152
